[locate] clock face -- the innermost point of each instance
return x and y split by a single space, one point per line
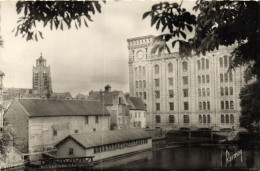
140 55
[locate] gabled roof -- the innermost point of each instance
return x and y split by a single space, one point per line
80 97
135 103
64 95
94 139
48 107
106 97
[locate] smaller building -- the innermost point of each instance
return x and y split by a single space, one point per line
137 112
41 123
80 97
116 104
103 145
62 96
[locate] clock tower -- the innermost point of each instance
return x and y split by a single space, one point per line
139 55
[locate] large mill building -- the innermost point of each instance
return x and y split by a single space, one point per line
185 93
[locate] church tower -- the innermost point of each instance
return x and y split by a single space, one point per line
42 84
1 99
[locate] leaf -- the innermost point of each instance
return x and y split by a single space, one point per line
146 14
173 43
189 27
36 38
158 24
154 19
183 34
40 33
85 22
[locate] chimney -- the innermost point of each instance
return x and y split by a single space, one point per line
108 88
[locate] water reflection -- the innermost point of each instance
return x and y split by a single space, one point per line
204 157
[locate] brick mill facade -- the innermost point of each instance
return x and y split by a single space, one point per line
185 93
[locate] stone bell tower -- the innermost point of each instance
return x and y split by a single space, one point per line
42 84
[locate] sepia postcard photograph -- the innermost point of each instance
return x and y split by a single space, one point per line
130 85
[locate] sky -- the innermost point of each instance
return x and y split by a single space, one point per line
81 60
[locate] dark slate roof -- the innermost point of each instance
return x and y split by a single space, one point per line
48 107
80 97
135 103
107 137
106 97
61 95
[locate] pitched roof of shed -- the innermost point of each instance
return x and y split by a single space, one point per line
47 107
107 137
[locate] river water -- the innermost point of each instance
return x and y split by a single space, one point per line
189 157
168 156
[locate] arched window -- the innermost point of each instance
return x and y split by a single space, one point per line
204 106
203 63
140 84
231 118
222 119
141 94
144 95
199 79
136 84
144 72
204 119
170 67
221 91
208 118
221 62
225 61
227 118
203 78
156 69
136 72
207 78
207 64
200 119
198 63
171 119
140 71
226 91
144 84
200 106
158 119
221 77
184 66
203 92
230 60
199 91
186 119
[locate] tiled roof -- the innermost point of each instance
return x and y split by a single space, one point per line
107 137
80 97
48 107
106 97
61 95
135 103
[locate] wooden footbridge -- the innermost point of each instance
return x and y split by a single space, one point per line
67 162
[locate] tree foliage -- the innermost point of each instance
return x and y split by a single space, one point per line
6 137
218 23
55 14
